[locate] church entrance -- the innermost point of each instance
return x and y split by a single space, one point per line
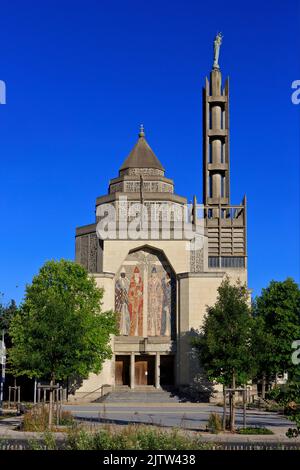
166 371
144 370
122 368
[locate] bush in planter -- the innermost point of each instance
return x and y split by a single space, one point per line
214 424
37 419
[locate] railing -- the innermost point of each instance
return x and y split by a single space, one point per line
101 388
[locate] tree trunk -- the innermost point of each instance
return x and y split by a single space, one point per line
224 408
232 417
263 386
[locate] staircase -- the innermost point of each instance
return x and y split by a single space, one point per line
140 395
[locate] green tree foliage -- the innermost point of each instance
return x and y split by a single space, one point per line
223 345
7 312
277 316
262 351
60 330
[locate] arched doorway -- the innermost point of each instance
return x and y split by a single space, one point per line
145 299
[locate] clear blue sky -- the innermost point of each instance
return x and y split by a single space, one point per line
81 77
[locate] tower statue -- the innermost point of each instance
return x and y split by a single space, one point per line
217 45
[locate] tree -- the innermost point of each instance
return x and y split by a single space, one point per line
60 330
277 316
224 343
6 314
262 351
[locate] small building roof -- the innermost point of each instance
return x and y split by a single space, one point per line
142 156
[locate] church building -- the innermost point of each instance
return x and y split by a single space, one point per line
162 273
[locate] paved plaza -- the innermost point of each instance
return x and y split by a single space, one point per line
184 415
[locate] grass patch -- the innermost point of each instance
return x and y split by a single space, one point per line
254 430
133 438
37 419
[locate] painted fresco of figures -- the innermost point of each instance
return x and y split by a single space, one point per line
135 303
166 306
155 296
121 293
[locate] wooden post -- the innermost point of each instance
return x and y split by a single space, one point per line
232 421
224 408
244 407
57 407
230 407
57 404
15 391
50 404
39 392
61 401
34 391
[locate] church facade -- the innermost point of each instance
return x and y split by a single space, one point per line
160 260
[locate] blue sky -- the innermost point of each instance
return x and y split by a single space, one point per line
82 76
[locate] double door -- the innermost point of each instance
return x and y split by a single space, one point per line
144 370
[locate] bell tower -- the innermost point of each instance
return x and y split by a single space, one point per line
216 184
225 223
216 175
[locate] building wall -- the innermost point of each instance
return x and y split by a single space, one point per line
115 252
195 291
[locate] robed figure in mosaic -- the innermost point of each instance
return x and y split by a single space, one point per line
155 295
166 306
121 292
135 303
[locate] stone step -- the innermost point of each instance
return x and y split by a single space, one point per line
141 396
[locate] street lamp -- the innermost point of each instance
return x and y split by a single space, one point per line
3 362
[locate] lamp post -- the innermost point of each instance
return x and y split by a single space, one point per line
3 361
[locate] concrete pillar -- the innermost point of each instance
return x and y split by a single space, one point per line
216 151
216 182
157 370
132 370
216 113
216 80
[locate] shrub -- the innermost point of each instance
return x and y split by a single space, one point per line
66 418
294 415
283 394
293 432
214 424
37 419
132 437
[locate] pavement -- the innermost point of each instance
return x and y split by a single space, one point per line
188 417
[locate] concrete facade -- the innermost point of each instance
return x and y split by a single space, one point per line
164 284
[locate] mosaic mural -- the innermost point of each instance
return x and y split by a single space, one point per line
145 295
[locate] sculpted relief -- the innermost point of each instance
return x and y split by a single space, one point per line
145 295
